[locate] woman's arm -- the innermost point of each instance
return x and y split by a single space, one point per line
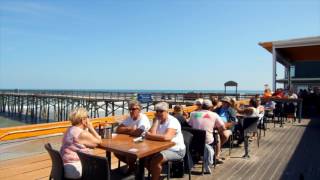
89 138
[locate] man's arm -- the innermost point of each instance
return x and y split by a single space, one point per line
170 133
122 129
155 124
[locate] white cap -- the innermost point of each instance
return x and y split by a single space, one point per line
207 103
162 106
198 102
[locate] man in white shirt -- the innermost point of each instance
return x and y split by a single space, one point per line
165 128
135 125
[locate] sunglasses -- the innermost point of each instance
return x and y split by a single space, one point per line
159 111
133 109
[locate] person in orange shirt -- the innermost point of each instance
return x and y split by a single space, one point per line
267 93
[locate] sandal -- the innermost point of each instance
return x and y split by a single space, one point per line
219 161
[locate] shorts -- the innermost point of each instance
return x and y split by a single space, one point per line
73 170
169 155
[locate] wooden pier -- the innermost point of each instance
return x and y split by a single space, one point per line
36 106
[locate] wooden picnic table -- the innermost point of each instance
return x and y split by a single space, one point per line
123 144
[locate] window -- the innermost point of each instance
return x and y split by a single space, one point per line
292 71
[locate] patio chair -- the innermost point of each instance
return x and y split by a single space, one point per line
57 170
262 125
94 167
186 163
176 167
290 111
279 113
197 144
250 125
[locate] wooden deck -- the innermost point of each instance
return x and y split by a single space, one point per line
292 152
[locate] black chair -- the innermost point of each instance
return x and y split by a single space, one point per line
214 145
290 111
279 113
197 145
186 163
94 167
176 167
262 125
250 124
57 170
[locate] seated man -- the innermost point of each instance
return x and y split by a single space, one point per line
208 121
135 125
227 112
165 128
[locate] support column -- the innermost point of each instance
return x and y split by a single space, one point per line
274 68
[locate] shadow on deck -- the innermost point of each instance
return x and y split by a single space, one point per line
305 161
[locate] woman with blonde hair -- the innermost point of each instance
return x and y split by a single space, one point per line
81 136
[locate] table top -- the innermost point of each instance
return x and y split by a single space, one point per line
299 100
123 144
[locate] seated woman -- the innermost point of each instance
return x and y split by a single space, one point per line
165 128
81 136
250 111
179 115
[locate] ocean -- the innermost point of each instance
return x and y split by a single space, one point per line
6 122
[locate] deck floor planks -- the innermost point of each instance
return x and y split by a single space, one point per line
306 159
269 157
238 163
5 164
244 164
277 166
34 166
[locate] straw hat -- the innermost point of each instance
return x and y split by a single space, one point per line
226 99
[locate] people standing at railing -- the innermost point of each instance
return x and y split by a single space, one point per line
207 120
81 136
267 91
135 125
165 128
279 93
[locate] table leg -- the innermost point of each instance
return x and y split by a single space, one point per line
108 156
140 169
300 111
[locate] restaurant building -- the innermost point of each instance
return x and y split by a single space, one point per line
301 61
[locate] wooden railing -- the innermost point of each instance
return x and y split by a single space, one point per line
27 131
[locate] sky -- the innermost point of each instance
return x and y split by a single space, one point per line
151 44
